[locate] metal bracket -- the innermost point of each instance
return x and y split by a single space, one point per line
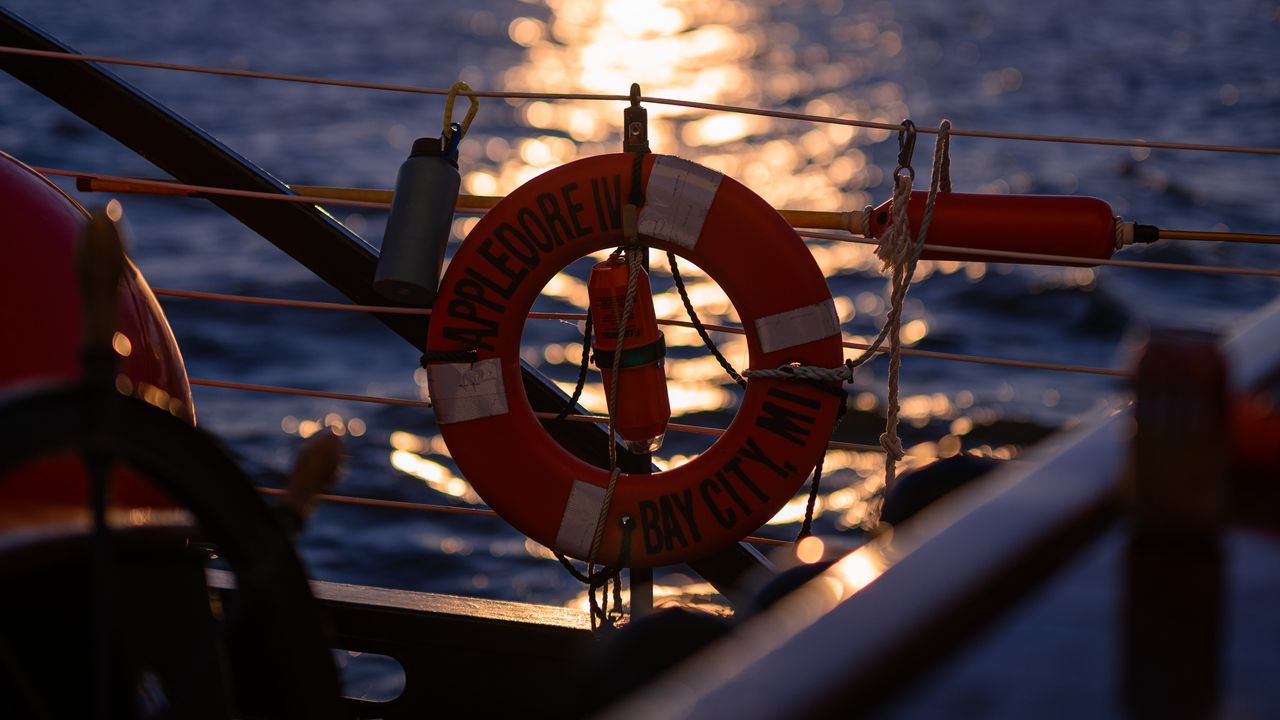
635 124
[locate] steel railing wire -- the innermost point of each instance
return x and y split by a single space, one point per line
426 404
693 104
450 509
579 317
167 187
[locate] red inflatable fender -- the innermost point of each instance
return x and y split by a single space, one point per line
1067 225
40 313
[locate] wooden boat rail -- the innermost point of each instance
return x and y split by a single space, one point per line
891 610
441 641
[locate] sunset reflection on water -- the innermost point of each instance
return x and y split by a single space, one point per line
723 52
720 51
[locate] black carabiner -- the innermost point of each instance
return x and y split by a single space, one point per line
906 148
905 144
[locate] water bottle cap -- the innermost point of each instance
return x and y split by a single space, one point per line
432 147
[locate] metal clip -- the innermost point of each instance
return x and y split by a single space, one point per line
450 141
635 124
906 148
452 128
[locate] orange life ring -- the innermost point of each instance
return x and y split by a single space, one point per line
539 487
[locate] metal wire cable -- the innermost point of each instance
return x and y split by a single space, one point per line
382 400
715 107
1015 256
480 204
577 317
1011 256
170 188
449 509
696 322
284 302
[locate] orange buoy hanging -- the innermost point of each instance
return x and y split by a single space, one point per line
554 497
642 408
1066 225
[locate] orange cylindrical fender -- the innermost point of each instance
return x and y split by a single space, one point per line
546 492
1068 225
643 408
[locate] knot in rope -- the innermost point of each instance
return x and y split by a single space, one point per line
892 445
602 616
896 246
868 212
899 253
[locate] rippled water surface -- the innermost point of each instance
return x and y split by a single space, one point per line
1200 72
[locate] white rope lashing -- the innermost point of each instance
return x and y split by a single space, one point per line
899 253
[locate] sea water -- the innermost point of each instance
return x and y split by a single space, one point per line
1186 71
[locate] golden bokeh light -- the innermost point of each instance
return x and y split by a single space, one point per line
120 343
810 550
436 476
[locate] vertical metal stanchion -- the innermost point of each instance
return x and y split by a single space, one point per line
641 591
635 138
1174 566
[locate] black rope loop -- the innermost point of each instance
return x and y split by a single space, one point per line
583 366
806 528
906 148
600 612
697 322
592 580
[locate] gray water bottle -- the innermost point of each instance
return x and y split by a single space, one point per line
418 227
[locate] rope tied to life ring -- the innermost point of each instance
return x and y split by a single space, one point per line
899 254
631 250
